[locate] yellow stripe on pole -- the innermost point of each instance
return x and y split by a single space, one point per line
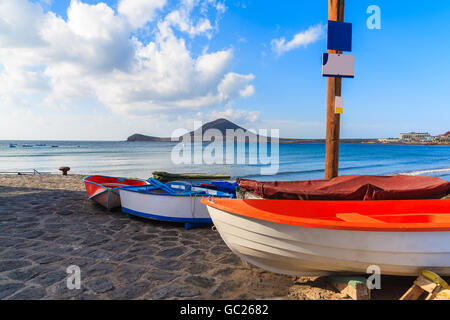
339 110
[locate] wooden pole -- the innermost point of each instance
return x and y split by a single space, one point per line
335 13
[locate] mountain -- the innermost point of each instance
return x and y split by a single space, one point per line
220 124
141 137
223 124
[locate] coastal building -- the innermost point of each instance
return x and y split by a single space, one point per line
414 136
444 137
388 140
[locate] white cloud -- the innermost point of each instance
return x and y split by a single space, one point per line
139 12
220 6
301 39
241 116
235 85
19 24
46 60
181 18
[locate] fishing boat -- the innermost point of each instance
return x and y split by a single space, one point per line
12 145
164 177
105 190
348 188
316 238
176 202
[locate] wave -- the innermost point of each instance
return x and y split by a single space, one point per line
430 171
279 174
298 172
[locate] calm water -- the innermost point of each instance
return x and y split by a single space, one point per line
297 161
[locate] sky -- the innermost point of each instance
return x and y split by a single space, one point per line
103 70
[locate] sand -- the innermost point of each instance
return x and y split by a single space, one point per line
47 224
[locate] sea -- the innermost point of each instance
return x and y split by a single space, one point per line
295 161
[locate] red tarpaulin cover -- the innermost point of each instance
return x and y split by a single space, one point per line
399 187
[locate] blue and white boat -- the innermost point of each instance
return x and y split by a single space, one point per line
12 145
174 201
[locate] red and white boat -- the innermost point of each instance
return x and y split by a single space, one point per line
342 225
105 190
401 237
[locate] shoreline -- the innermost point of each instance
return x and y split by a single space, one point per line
279 175
368 141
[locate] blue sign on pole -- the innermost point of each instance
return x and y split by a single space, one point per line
339 36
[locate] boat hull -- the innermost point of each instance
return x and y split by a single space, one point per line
305 251
105 190
185 209
108 199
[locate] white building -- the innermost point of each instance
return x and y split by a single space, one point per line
414 136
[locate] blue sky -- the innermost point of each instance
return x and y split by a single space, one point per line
84 77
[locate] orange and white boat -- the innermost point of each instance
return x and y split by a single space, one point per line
105 190
296 237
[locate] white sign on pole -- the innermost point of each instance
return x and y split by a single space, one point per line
338 65
339 104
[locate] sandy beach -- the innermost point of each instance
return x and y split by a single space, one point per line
47 224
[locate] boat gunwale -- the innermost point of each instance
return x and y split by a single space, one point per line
115 189
181 194
99 175
266 215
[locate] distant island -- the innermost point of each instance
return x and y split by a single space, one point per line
141 137
223 124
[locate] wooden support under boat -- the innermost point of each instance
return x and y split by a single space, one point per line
420 286
431 283
354 287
